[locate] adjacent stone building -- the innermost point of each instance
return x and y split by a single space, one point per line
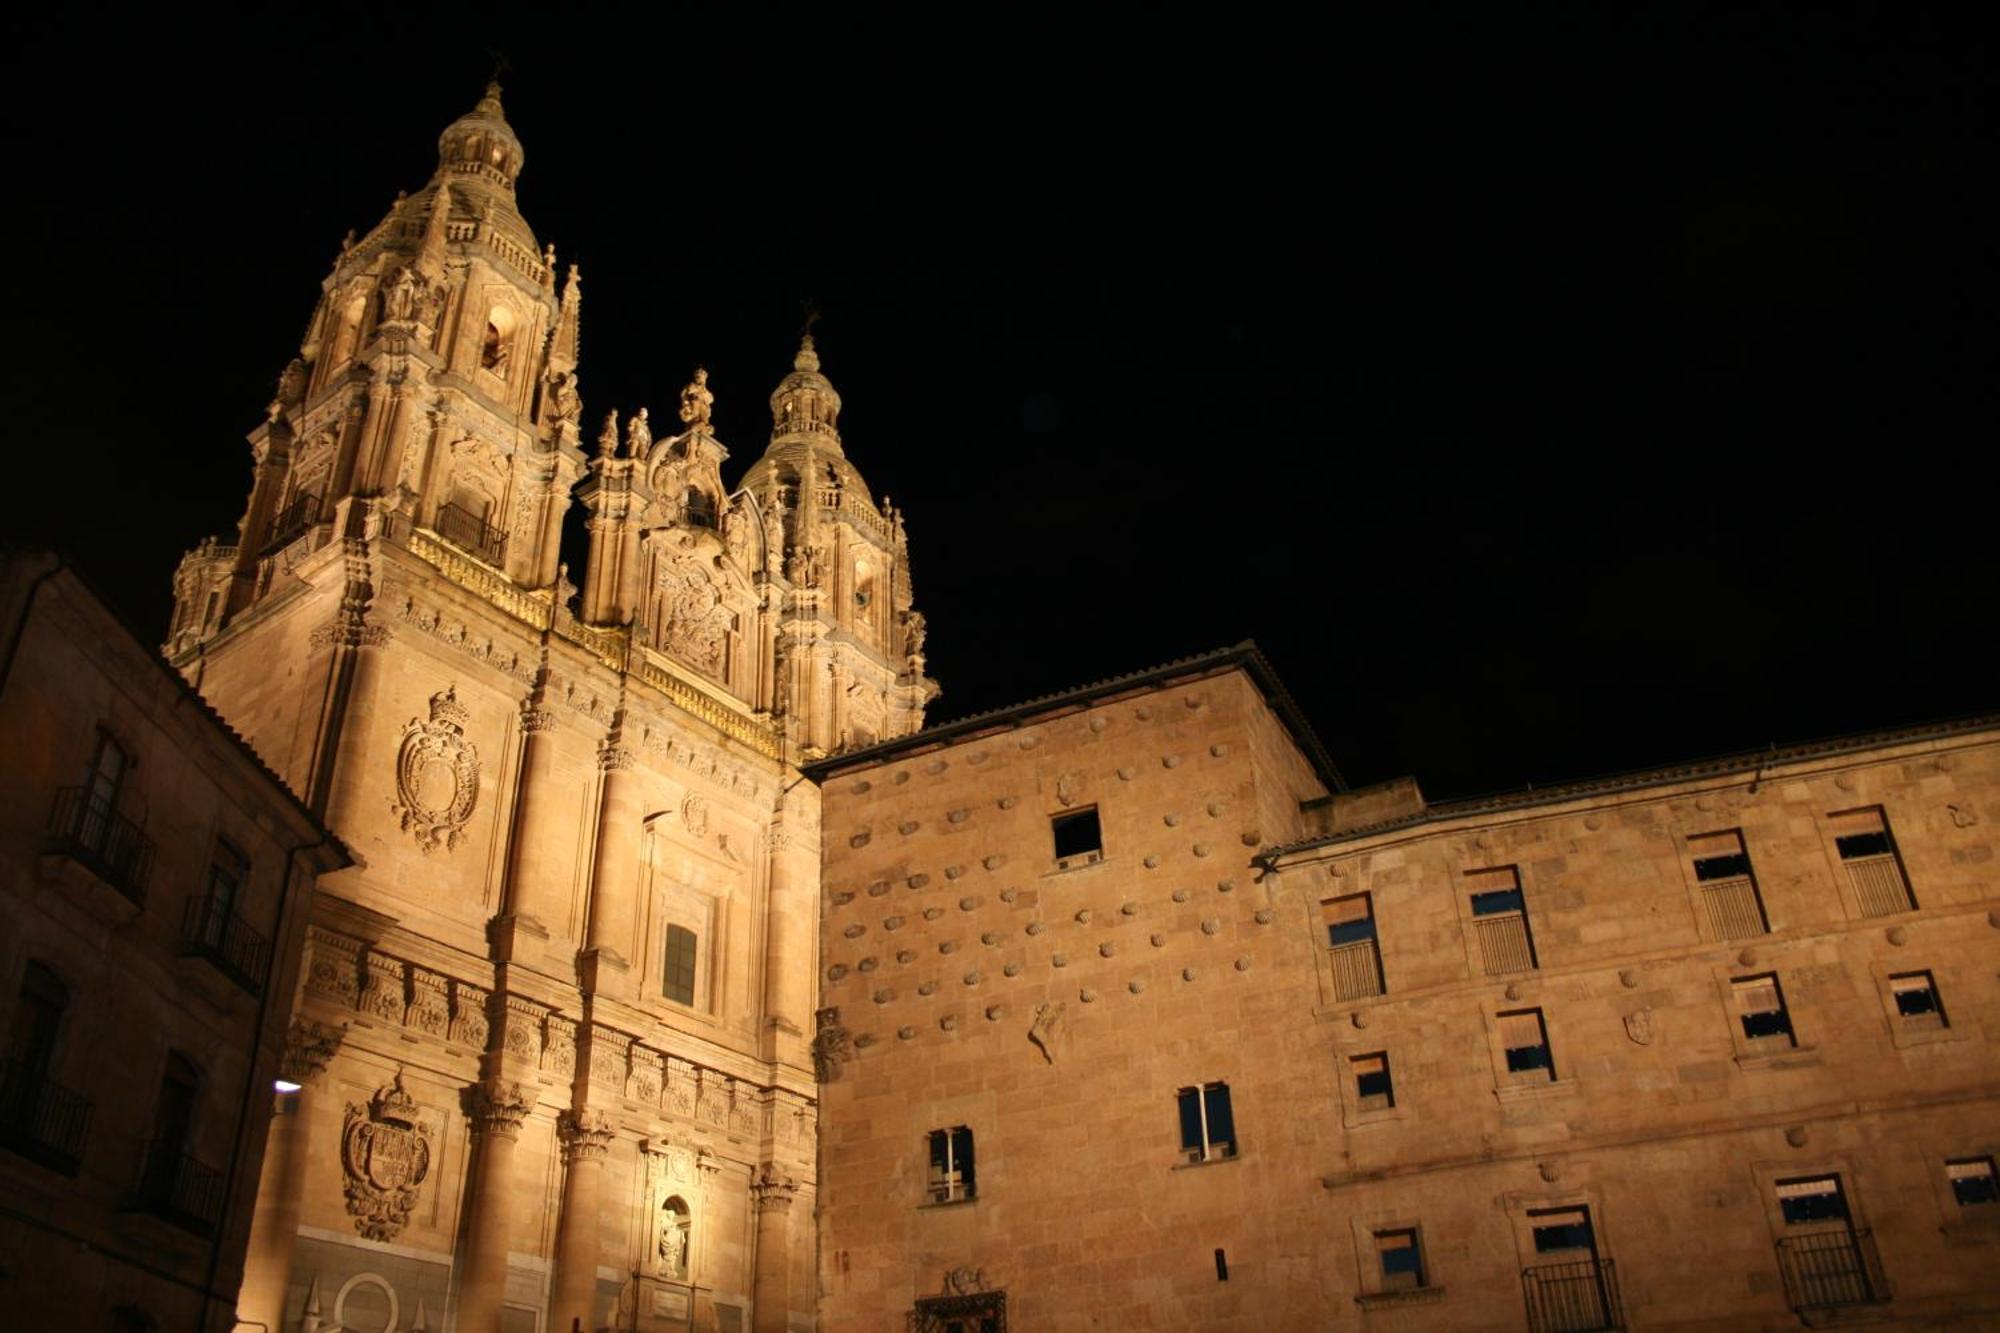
1134 1018
154 877
555 1021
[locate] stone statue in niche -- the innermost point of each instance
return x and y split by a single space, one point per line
774 534
805 571
832 1046
564 404
676 1227
736 530
437 775
697 402
399 296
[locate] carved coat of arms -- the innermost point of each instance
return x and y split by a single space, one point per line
385 1153
696 623
437 775
1639 1026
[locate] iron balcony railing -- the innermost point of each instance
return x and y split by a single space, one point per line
1733 907
1578 1297
40 1119
1879 884
471 532
1831 1269
210 930
293 521
1357 970
84 826
176 1188
1503 943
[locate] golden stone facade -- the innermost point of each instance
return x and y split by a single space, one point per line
681 980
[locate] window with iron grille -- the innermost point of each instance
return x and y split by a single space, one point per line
1208 1127
952 1177
680 970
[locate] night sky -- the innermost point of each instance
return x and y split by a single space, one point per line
1586 393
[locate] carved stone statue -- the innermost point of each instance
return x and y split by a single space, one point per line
564 405
913 634
399 296
774 534
736 529
697 401
607 439
638 436
805 571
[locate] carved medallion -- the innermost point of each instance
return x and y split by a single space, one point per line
385 1153
1639 1026
437 775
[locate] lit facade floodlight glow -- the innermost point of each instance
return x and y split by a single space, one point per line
286 1085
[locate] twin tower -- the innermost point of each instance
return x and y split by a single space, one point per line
548 1041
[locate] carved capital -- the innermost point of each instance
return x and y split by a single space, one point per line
309 1047
772 1189
498 1107
535 721
586 1135
615 759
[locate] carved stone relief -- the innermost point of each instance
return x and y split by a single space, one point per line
437 775
385 1154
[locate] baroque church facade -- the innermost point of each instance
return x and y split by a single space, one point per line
682 978
551 1045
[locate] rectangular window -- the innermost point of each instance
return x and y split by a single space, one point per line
1917 1002
1562 1231
679 983
1373 1090
1973 1183
1350 939
1500 921
1525 1039
1401 1257
1208 1129
226 872
1729 896
1760 1007
1078 838
951 1175
1868 852
1812 1200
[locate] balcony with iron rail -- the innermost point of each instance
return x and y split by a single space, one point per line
1357 970
293 522
471 533
212 932
1830 1271
178 1189
1577 1297
40 1119
84 827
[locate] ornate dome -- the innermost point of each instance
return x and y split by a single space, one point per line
805 403
481 144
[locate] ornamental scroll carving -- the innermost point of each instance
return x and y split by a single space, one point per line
437 775
385 1154
695 623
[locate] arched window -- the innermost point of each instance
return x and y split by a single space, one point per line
676 1231
678 985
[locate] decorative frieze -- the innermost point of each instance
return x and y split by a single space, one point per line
559 1045
333 967
382 995
642 1084
608 1057
521 1032
461 636
469 1024
429 1009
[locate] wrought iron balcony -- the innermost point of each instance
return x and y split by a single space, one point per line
84 827
1831 1269
471 532
1357 970
40 1119
210 930
293 521
1579 1297
176 1188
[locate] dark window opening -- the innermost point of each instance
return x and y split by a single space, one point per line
1208 1127
1372 1085
1972 1181
1567 1229
679 982
951 1165
1495 901
1917 997
700 509
1525 1037
1349 920
1077 835
1401 1258
1864 844
1815 1200
1221 1266
1760 1007
1770 1023
1734 865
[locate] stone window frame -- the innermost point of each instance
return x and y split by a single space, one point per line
1955 1223
695 910
1475 962
1519 1204
1505 1087
970 1195
1843 882
1061 865
1370 1293
1901 1033
1684 856
1767 1172
1761 1052
1353 1115
1209 1156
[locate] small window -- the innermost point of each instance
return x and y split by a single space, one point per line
1349 920
1500 921
1208 1129
38 1016
1973 1183
228 868
1868 853
1525 1038
1917 1002
1729 895
1493 902
1812 1200
1562 1231
951 1178
1351 947
1078 839
679 982
1373 1089
1760 1008
1401 1258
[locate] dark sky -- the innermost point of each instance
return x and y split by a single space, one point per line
1546 396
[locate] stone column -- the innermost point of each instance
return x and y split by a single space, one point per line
615 871
496 1108
267 1263
586 1138
771 1194
533 903
793 918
